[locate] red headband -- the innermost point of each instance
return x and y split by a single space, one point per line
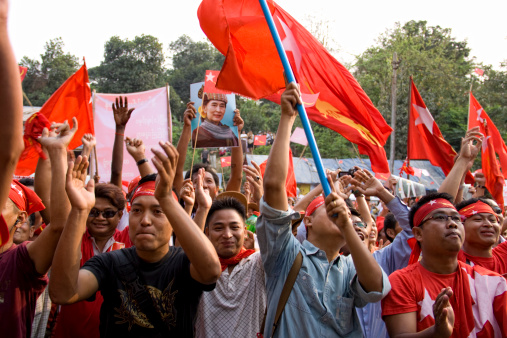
314 205
429 207
478 207
145 189
24 198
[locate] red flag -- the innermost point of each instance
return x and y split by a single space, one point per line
405 168
491 168
225 161
260 140
22 72
479 71
291 187
476 117
252 68
425 140
210 82
72 99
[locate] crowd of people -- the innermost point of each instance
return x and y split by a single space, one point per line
172 255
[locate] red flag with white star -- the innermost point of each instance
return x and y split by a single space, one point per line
260 140
425 141
477 116
331 95
72 99
225 161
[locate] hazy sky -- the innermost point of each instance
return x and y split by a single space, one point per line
86 25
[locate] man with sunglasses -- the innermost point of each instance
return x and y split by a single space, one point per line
440 296
82 319
482 231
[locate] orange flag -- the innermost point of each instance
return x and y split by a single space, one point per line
72 99
425 141
252 68
477 116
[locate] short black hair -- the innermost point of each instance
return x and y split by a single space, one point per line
424 200
389 223
226 203
26 181
354 212
207 168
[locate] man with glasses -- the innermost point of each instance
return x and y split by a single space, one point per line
440 296
482 230
82 319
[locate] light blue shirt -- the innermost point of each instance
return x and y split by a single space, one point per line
324 295
391 258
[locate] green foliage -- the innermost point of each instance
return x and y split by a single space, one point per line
440 66
130 66
190 60
44 78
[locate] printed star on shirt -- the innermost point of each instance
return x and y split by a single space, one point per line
432 202
210 77
13 186
424 118
426 306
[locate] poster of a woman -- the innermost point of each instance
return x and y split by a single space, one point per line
214 126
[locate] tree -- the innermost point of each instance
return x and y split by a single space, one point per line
441 69
130 66
190 60
44 78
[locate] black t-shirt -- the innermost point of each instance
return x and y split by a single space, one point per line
169 283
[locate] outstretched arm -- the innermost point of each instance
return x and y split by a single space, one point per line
203 200
278 161
234 183
11 108
68 284
122 114
204 263
470 147
188 116
41 250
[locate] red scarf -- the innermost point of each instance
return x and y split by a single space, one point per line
243 253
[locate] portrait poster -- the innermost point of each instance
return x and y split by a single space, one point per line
213 126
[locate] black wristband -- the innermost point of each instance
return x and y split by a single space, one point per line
142 161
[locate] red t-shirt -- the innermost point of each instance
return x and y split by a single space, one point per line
479 300
82 319
20 286
497 263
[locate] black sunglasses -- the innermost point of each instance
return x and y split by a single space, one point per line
105 213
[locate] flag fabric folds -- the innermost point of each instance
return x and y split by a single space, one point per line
72 99
476 118
331 95
425 141
492 145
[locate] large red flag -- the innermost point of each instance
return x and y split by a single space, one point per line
491 168
252 68
72 99
476 117
425 141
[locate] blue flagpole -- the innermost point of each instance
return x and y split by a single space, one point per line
301 109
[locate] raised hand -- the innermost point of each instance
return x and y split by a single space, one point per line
58 136
202 196
471 144
336 208
121 111
189 114
443 313
366 183
249 242
165 161
135 148
290 97
238 121
81 195
187 194
254 178
89 140
248 191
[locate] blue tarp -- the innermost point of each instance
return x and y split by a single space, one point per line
306 172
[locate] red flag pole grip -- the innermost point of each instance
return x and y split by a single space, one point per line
301 109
